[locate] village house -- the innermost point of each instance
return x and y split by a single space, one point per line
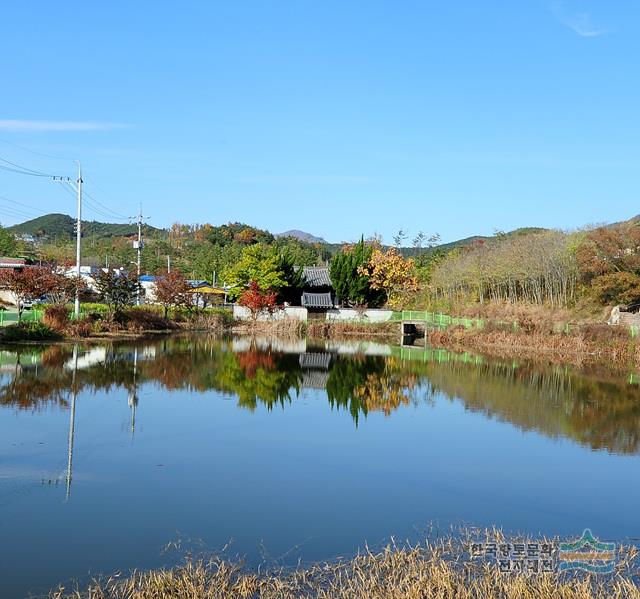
317 290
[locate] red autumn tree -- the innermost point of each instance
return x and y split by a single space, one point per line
173 290
61 287
34 282
25 285
258 301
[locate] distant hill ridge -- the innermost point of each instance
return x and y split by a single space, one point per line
63 225
302 236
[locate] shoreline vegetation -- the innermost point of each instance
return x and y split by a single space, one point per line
521 332
441 569
539 293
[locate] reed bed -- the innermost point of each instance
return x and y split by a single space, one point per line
287 328
346 329
428 571
582 344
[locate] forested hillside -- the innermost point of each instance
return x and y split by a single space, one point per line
600 266
63 225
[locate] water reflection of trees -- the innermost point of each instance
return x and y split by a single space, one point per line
362 384
24 391
254 376
559 402
590 408
49 381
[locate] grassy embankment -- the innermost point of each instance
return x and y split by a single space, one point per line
439 570
319 329
511 330
98 323
533 332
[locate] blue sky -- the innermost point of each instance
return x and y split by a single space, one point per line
336 117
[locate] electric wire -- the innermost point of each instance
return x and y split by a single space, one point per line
88 204
106 208
15 145
23 170
17 212
4 211
22 205
92 203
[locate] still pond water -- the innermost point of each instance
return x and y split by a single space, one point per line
295 451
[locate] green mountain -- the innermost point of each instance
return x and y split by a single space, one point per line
63 225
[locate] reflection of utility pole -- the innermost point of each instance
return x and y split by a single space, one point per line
133 396
72 422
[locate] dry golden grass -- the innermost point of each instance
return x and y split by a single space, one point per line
422 572
580 344
344 330
287 327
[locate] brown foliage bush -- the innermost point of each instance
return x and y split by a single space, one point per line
56 317
617 288
337 329
140 319
604 334
83 327
519 312
207 321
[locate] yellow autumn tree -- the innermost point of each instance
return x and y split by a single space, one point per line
388 271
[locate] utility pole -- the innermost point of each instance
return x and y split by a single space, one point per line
78 190
138 245
78 241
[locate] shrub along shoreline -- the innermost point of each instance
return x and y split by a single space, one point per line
532 334
97 322
443 569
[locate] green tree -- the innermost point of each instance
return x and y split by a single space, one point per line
9 245
352 286
259 263
292 274
117 290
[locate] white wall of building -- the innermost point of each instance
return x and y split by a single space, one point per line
289 312
346 314
299 313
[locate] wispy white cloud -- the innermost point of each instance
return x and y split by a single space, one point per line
579 22
310 179
26 125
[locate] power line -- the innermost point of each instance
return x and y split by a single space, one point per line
17 213
106 208
19 172
87 203
23 170
15 145
22 205
104 214
96 206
